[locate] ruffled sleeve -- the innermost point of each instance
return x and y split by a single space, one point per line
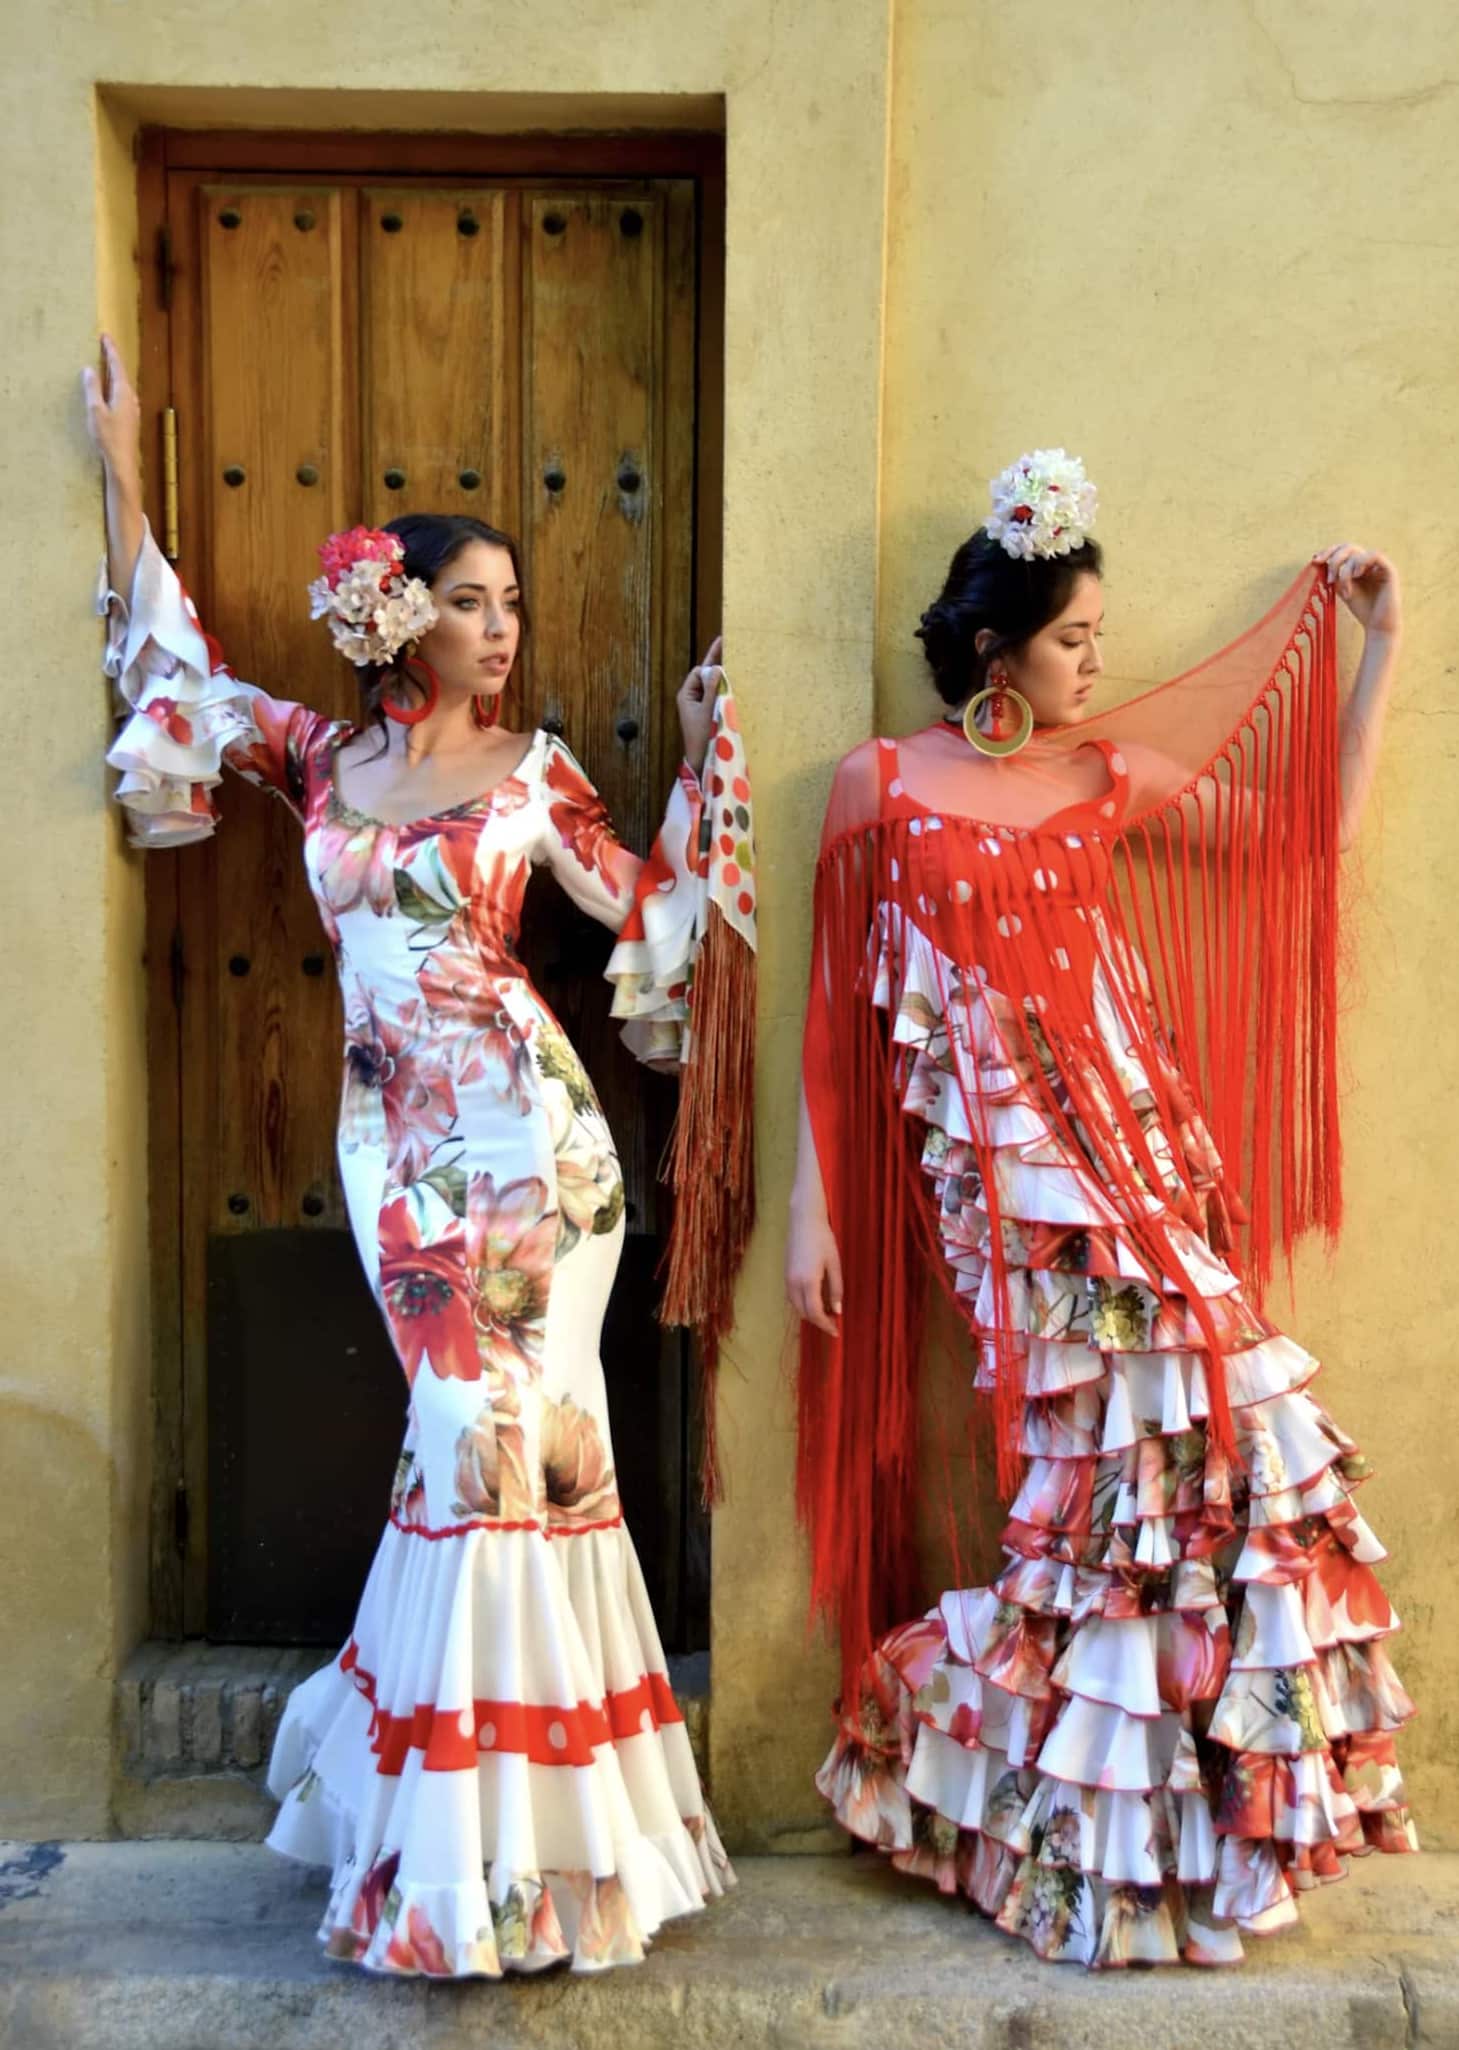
653 905
185 713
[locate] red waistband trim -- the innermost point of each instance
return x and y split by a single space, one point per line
548 1530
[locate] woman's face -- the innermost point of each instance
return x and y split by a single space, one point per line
1058 669
473 644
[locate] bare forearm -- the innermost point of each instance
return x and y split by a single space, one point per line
807 1194
1362 727
125 522
113 420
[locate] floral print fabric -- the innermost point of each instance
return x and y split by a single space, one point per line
495 1768
1174 1710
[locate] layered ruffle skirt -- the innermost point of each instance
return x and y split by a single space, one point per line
1174 1710
495 1769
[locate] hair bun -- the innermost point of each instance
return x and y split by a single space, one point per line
988 590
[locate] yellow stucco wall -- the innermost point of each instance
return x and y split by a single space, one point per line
1201 246
1213 250
802 92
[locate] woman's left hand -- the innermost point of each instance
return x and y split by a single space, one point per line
1367 583
696 707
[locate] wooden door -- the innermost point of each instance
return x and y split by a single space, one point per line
352 346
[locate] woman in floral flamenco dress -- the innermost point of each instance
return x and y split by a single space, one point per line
1074 985
494 1768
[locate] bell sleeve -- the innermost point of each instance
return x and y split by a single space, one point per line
184 713
652 904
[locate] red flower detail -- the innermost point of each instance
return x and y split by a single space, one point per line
372 1896
176 725
356 863
511 1242
426 1293
360 544
396 1056
1345 1578
419 1949
457 985
581 818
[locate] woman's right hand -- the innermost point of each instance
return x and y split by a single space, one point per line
114 415
813 1269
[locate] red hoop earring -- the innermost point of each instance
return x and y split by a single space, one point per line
486 711
432 689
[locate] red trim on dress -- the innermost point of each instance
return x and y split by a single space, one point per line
546 1735
548 1530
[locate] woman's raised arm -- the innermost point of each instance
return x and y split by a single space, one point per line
185 711
114 418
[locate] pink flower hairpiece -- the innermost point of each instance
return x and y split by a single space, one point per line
373 609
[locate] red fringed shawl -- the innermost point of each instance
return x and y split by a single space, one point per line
1133 944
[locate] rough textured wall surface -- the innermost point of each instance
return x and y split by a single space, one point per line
1213 251
805 101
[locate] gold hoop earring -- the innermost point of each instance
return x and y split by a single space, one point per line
997 696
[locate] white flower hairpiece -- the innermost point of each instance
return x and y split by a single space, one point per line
1042 505
373 609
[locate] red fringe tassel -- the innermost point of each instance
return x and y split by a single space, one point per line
711 1166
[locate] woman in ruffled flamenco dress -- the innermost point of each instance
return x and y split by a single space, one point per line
495 1768
1074 985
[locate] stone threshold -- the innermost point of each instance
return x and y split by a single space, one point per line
207 1946
195 1723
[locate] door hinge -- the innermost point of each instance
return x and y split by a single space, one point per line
180 1516
164 268
176 967
171 542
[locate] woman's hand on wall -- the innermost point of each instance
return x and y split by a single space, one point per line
113 413
696 707
114 419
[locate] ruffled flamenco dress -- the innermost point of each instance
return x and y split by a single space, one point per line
494 1768
1033 1038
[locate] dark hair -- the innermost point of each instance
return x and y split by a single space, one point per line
987 588
432 542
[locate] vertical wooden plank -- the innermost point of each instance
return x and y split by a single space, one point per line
433 341
592 502
673 592
274 398
590 408
277 398
517 709
164 1131
193 966
674 650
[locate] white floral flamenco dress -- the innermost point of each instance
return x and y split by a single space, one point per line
494 1768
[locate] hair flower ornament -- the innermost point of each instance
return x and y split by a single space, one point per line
1043 505
374 610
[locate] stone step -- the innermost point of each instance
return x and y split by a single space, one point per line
195 1723
204 1946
